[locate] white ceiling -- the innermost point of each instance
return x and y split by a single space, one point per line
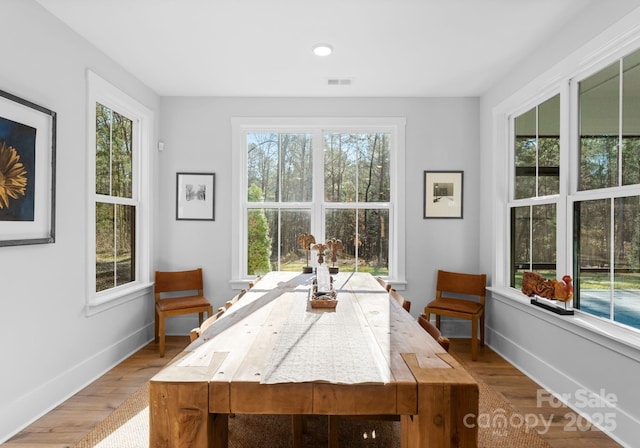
404 48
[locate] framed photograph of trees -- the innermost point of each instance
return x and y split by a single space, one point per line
195 196
443 194
27 172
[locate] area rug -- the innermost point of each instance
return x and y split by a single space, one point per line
499 426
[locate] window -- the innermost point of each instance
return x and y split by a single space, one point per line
583 219
119 135
357 198
332 179
279 198
533 209
115 204
606 207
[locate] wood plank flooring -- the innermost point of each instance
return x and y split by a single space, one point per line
522 394
68 423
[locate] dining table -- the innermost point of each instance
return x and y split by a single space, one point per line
273 352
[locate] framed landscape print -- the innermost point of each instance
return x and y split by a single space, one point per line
195 196
443 194
27 172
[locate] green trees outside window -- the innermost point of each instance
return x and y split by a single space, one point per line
598 195
355 187
536 177
607 222
115 212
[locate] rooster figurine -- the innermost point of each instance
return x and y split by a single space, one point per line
563 289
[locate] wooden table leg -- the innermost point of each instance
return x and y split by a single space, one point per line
219 424
446 399
179 416
334 429
297 428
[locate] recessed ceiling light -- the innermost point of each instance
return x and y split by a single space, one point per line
322 49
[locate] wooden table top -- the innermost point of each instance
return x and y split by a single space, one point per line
237 351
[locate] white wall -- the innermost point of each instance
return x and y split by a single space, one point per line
50 347
441 134
564 355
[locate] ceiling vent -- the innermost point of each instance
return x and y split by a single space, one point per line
338 82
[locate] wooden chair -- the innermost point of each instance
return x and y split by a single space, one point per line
255 280
404 303
384 284
434 332
186 297
231 302
465 285
197 332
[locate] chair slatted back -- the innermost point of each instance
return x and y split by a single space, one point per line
459 283
178 281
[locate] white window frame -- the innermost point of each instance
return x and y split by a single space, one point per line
101 91
561 78
562 263
395 126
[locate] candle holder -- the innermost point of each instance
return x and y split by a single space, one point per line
322 294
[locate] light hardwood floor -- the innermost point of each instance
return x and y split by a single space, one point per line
69 422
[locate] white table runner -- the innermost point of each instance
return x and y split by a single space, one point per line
325 345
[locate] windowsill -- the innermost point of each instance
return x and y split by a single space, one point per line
115 298
240 283
625 341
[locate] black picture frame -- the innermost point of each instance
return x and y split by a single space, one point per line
28 156
443 194
195 196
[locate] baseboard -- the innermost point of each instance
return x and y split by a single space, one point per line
25 410
554 381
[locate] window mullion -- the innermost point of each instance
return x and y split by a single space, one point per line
318 209
279 201
537 178
115 246
279 237
620 117
612 257
111 152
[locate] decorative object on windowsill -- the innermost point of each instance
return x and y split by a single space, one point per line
545 292
334 246
306 240
322 293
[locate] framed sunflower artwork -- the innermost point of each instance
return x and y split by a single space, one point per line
27 172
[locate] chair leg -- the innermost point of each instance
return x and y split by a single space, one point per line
200 319
161 335
474 338
156 325
333 431
482 330
438 321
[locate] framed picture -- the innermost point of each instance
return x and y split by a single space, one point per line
28 172
195 196
443 194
